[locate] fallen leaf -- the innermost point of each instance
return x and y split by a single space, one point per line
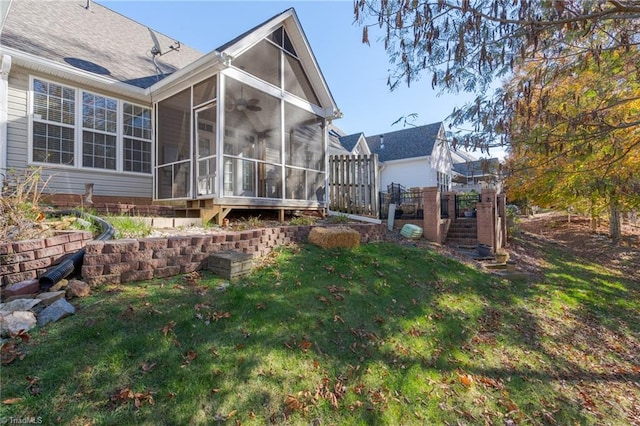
168 328
10 401
305 345
188 357
148 367
465 379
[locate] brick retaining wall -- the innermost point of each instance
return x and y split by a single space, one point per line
122 261
28 259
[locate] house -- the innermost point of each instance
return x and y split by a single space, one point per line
414 157
146 119
475 175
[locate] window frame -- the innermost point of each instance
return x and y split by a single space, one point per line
78 129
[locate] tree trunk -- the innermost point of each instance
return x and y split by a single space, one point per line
594 218
614 220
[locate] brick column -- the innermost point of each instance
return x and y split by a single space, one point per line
431 219
487 218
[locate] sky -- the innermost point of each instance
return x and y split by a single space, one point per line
356 73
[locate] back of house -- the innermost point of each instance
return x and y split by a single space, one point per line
93 97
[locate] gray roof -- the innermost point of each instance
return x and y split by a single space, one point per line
406 143
349 142
97 40
482 167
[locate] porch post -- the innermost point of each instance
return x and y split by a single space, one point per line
431 218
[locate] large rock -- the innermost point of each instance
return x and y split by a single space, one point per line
60 285
56 311
18 305
22 288
13 322
50 297
77 288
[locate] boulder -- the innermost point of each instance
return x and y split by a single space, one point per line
60 285
13 322
77 288
18 305
56 311
31 286
50 297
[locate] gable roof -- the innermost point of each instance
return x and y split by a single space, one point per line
459 156
350 141
289 20
95 39
406 143
481 167
335 147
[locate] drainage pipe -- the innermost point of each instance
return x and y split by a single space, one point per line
74 261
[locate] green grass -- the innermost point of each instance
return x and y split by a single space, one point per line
381 334
129 227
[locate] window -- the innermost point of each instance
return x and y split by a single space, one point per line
99 131
264 61
95 137
53 123
444 181
137 139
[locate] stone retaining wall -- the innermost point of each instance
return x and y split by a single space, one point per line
28 259
122 261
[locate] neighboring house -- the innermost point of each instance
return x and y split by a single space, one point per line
95 97
414 157
475 175
459 156
356 144
335 147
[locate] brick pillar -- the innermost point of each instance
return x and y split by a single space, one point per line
487 218
431 220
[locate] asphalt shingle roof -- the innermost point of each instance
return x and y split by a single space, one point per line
406 143
478 168
97 40
350 141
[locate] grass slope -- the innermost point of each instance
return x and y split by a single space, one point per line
381 334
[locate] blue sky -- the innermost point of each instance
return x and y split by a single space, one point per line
356 73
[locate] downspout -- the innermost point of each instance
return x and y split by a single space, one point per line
74 261
5 67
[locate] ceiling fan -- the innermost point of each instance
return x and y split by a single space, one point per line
243 104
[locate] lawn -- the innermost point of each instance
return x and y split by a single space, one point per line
381 334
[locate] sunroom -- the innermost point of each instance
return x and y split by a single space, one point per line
245 126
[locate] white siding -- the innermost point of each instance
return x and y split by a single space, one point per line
63 180
408 173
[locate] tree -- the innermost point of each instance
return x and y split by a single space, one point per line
574 139
466 46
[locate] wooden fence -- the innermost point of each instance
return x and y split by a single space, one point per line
354 184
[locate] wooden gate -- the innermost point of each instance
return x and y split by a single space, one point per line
353 184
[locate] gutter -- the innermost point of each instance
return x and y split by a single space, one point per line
33 62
